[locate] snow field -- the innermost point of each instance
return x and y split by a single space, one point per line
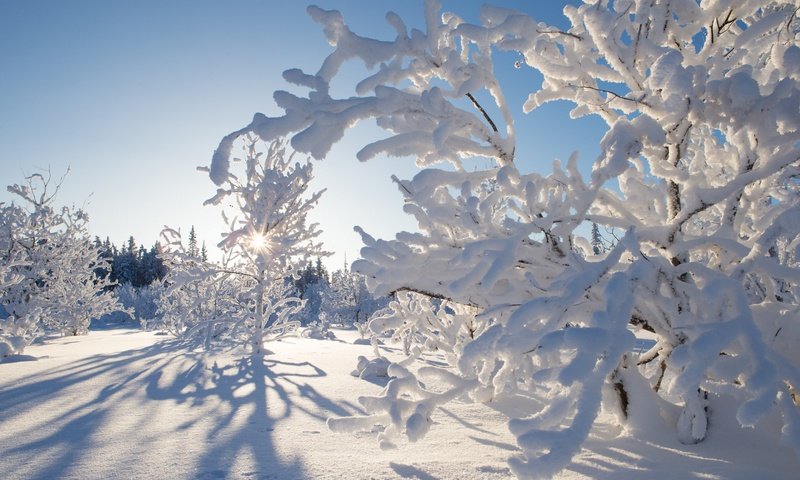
127 404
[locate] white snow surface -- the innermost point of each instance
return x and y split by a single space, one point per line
128 404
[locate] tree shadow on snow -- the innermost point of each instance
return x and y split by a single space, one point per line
55 422
410 471
255 393
18 359
60 415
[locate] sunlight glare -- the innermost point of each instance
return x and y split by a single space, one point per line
258 242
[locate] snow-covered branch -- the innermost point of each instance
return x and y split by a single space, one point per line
698 166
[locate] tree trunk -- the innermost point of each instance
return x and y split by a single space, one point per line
618 382
258 317
693 422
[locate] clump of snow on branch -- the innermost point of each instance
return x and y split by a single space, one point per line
699 167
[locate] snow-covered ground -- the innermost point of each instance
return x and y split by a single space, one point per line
128 404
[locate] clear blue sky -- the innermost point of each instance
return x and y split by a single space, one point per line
133 95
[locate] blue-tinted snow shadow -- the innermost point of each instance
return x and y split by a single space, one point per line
492 443
410 471
257 393
114 321
63 436
729 451
18 358
465 423
251 395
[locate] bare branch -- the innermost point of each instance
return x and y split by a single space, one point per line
639 101
433 295
485 115
560 32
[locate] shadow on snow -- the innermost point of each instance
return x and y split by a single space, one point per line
63 416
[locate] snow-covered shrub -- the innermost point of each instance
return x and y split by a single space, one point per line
197 301
142 301
370 369
425 324
319 330
363 331
208 304
16 331
312 285
698 170
18 318
248 297
314 296
49 268
348 300
73 293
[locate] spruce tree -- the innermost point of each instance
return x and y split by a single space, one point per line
192 250
597 241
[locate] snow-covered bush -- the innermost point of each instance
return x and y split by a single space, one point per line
424 324
143 301
197 302
699 168
320 329
248 297
16 329
49 268
348 300
371 369
73 293
18 318
208 303
314 296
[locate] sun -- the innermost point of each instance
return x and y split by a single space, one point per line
258 242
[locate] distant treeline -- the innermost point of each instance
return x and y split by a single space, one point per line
131 263
140 266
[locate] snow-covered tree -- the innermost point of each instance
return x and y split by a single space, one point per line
199 302
348 300
597 240
73 293
203 253
699 167
143 302
311 285
268 235
52 269
19 317
193 250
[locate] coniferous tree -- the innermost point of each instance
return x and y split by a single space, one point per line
321 272
597 240
139 269
192 249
